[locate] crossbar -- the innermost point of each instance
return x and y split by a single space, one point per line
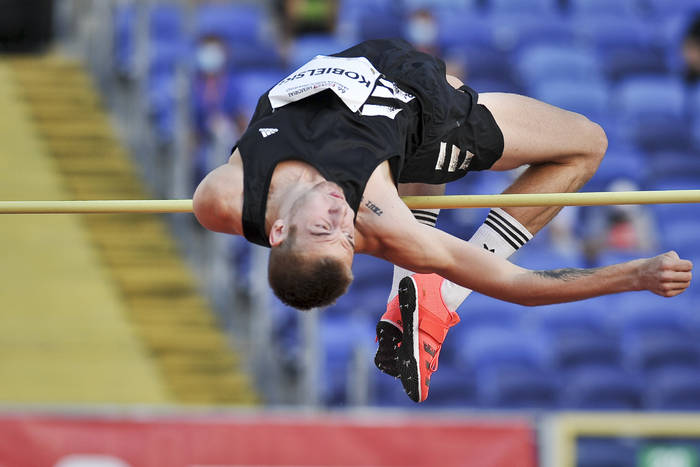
414 202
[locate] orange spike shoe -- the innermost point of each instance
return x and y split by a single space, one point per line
425 321
389 330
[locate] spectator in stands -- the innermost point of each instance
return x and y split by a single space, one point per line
691 51
422 31
217 120
619 229
299 17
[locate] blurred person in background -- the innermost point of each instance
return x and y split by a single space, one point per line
422 31
628 229
300 17
217 118
691 51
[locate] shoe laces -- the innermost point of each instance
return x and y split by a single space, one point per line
434 360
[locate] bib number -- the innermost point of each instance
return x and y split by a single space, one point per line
350 78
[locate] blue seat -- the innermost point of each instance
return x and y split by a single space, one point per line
682 235
605 31
491 348
551 62
524 6
574 318
376 25
674 163
622 62
451 386
672 7
588 98
593 388
517 388
369 271
544 257
253 84
231 21
124 25
307 47
668 213
621 8
647 316
606 452
651 352
575 351
652 110
674 389
623 163
514 31
455 31
254 56
482 62
165 22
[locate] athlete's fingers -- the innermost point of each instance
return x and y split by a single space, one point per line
676 276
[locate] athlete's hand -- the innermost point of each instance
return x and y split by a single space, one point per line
666 275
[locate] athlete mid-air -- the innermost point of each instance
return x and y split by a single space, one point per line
318 175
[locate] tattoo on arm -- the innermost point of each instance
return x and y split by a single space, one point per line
374 208
566 274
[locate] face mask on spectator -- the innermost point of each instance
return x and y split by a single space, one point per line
422 32
211 58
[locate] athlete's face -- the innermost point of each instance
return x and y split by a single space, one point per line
324 222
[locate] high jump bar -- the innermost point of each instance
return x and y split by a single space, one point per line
413 202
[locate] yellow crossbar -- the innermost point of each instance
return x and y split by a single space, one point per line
414 202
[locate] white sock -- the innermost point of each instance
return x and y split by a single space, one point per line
424 216
500 234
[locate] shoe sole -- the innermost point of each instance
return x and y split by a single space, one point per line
409 355
386 358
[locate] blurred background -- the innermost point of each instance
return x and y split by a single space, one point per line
124 322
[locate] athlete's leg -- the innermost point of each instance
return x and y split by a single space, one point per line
563 149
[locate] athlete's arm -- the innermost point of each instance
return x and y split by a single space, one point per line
407 243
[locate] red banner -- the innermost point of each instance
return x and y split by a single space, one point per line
263 440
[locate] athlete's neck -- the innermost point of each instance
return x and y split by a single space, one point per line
290 181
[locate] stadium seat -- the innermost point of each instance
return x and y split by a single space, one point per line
594 388
553 62
377 25
681 235
307 47
455 31
254 56
451 386
674 163
517 388
620 8
492 348
482 62
674 389
165 22
652 112
605 452
524 6
652 351
620 163
514 31
671 7
124 38
589 98
230 21
575 351
253 84
623 62
606 32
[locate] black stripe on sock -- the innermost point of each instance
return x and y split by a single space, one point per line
425 217
425 213
498 231
426 221
514 229
503 230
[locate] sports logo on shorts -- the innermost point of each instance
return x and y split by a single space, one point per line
454 158
265 132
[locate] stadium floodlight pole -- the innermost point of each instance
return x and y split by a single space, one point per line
414 202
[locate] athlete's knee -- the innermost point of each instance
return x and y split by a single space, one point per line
596 144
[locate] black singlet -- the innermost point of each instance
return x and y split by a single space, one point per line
346 147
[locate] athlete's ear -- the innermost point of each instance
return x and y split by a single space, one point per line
278 232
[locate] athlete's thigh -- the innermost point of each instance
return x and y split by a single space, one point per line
536 132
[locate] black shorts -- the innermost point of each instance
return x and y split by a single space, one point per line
453 134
